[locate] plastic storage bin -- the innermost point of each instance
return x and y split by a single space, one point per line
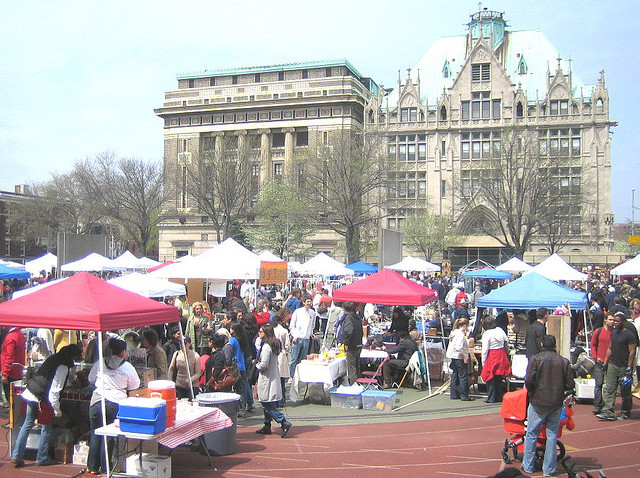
222 442
345 400
378 400
143 415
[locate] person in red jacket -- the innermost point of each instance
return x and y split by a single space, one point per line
12 359
600 341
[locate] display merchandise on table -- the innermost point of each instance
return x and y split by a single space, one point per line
318 370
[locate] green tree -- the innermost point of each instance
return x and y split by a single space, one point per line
428 233
283 221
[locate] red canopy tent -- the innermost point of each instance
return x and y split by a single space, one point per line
85 302
386 287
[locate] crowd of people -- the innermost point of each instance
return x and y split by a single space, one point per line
258 342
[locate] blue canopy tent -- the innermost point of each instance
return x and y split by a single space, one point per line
532 291
486 273
7 272
360 267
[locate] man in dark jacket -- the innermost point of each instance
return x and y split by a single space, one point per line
549 375
352 337
535 332
405 349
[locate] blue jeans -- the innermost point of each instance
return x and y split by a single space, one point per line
459 379
21 440
246 394
96 458
299 351
271 412
536 416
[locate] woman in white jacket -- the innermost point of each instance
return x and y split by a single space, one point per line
458 353
269 387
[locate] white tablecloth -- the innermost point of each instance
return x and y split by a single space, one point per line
373 354
315 372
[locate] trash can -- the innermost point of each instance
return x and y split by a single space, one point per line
222 442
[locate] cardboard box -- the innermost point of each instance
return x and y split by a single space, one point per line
153 466
80 459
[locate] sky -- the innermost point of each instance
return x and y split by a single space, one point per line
78 78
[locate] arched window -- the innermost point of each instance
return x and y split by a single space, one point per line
519 110
599 105
371 117
443 113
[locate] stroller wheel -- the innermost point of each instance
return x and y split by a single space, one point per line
505 457
561 450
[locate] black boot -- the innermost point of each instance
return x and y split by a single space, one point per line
265 430
286 426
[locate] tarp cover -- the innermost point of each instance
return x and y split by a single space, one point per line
629 268
85 302
360 267
533 291
487 273
386 288
7 272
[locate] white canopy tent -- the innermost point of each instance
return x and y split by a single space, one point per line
36 288
268 256
146 263
42 263
515 266
126 260
147 286
629 268
555 268
323 265
294 266
226 261
409 264
15 265
94 262
129 261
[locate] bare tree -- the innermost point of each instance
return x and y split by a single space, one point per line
518 192
219 181
428 233
346 180
130 191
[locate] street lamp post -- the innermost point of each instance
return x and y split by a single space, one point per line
633 211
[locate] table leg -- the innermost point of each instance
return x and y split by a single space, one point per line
206 450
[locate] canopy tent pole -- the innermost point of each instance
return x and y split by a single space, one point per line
103 403
426 356
586 333
186 359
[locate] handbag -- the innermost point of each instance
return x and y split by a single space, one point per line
252 375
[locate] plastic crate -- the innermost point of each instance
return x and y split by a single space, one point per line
143 415
345 400
378 400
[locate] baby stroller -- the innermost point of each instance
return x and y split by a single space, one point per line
514 413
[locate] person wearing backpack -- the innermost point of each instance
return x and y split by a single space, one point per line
600 341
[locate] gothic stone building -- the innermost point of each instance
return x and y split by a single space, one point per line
449 109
